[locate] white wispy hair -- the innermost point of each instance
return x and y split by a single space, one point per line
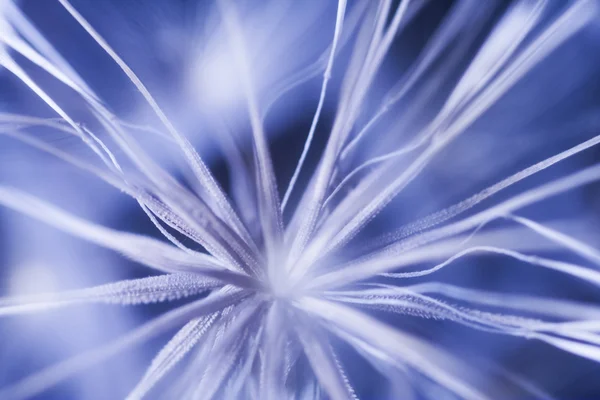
280 296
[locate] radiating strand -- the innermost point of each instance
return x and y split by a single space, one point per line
528 328
162 229
293 352
171 354
107 176
434 310
576 246
549 307
73 81
519 21
386 366
397 345
216 236
450 28
30 53
228 350
575 270
324 363
136 156
502 43
269 208
459 208
119 182
196 163
272 370
343 122
379 47
365 31
352 22
369 163
353 70
8 62
189 376
146 250
51 376
243 186
358 214
28 31
517 238
339 21
404 300
488 322
245 371
570 22
69 77
513 237
149 205
382 47
369 268
130 292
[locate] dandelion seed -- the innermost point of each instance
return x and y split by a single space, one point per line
278 292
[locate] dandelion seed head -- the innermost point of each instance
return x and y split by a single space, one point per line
292 292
